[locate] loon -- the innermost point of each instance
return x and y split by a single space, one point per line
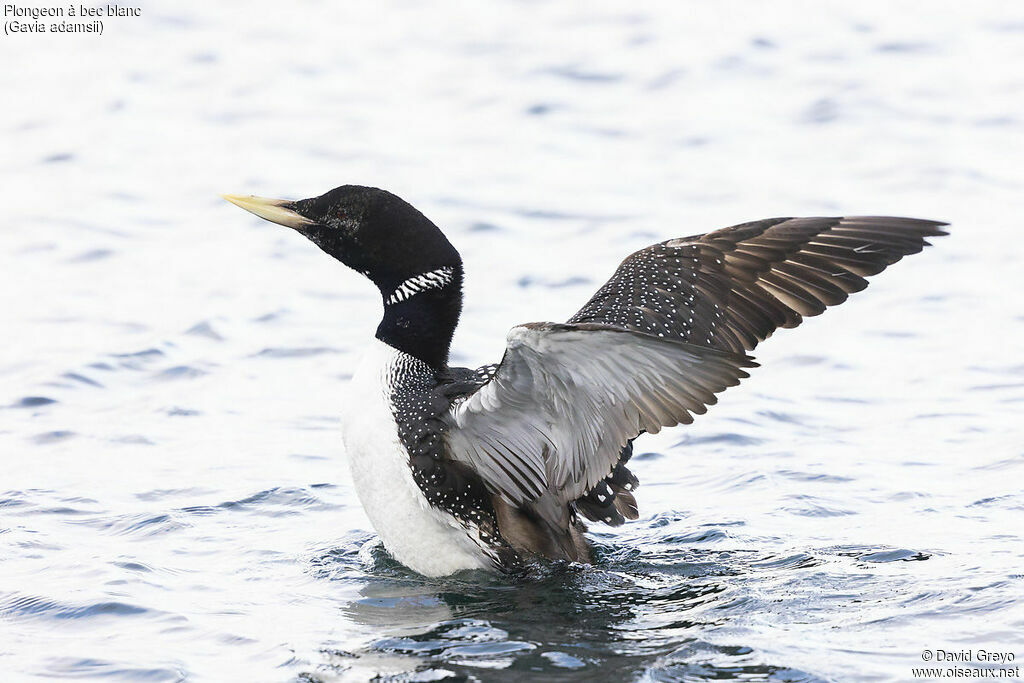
494 467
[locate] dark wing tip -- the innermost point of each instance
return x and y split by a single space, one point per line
905 236
937 229
926 227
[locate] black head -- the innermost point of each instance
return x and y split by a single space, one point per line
415 267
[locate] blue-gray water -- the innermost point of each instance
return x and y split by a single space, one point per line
174 501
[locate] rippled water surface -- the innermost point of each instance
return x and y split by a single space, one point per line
174 500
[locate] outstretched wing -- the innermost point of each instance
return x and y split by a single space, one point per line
567 398
654 345
732 288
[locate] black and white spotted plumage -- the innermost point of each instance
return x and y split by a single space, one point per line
731 288
420 397
612 501
512 454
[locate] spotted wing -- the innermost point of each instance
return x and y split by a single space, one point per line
654 345
552 422
732 288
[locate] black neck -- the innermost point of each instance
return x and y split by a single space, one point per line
422 325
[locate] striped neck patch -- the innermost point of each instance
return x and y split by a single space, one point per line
419 283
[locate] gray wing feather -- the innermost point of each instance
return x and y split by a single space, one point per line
552 422
655 344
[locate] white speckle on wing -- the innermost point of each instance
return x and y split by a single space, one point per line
655 291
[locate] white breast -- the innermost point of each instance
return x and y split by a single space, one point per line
423 538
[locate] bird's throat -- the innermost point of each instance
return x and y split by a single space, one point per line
422 325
